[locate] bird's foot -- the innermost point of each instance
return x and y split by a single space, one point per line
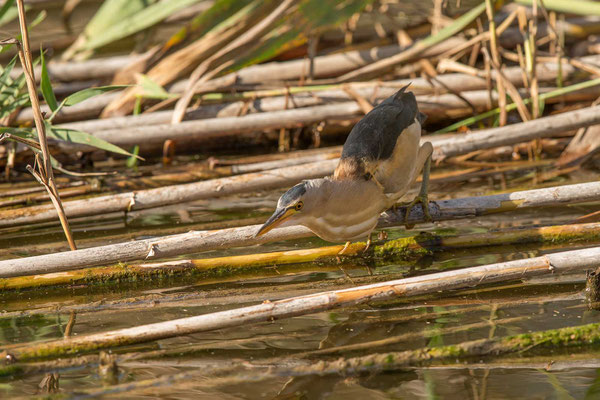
424 200
368 245
341 252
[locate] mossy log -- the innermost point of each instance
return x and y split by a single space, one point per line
583 335
574 260
405 249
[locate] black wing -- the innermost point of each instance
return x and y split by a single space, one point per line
374 137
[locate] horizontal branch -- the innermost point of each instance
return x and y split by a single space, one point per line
143 199
194 242
441 84
403 249
97 68
511 134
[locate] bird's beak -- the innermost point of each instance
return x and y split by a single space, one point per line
280 215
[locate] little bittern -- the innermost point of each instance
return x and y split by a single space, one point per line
381 158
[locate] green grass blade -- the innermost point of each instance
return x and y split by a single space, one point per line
312 16
46 85
85 94
5 76
75 136
110 12
581 7
220 11
4 11
139 21
153 90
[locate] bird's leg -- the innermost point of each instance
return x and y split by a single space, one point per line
423 196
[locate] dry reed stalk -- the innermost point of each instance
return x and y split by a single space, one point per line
444 147
98 68
555 263
324 66
64 193
532 34
194 242
46 174
209 130
483 36
495 61
511 134
229 374
91 107
507 86
87 109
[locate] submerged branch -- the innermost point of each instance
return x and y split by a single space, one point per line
562 262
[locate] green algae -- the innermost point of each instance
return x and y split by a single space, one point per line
412 246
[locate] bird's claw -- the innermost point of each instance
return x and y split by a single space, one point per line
367 245
424 200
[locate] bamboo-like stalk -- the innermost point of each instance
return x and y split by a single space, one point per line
97 68
437 106
407 249
89 108
324 66
218 128
46 174
193 242
516 133
180 351
555 263
64 193
444 147
221 59
461 82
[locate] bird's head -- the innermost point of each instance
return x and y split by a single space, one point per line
293 206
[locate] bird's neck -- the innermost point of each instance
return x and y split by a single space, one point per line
352 195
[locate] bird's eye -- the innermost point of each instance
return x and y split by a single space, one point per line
299 206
